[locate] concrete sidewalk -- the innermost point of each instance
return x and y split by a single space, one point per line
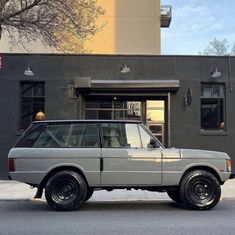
12 190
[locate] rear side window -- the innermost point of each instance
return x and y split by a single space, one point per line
68 135
84 135
30 136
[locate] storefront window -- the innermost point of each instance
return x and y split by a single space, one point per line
99 105
98 114
117 110
32 101
212 106
154 111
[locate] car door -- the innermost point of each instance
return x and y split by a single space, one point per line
128 157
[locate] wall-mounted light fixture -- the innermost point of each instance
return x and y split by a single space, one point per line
124 68
188 98
28 71
215 73
72 91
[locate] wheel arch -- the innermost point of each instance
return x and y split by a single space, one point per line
62 168
203 167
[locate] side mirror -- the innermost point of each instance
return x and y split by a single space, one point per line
152 144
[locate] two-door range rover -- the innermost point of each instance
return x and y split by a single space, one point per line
71 159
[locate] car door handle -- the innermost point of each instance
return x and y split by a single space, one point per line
101 164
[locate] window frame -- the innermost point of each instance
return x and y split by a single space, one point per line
69 135
33 100
217 99
121 147
139 125
112 109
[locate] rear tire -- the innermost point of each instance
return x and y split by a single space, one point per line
89 194
200 190
175 195
66 190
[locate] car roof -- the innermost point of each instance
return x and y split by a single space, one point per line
90 120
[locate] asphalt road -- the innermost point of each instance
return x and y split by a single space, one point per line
144 217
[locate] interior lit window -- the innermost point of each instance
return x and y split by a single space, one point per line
156 118
155 111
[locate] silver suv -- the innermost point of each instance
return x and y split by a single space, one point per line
70 159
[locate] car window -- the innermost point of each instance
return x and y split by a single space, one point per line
30 136
84 135
119 135
146 138
69 135
54 136
133 137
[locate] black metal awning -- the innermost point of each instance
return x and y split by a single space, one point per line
86 84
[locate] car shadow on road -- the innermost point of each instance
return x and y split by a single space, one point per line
102 206
31 205
131 205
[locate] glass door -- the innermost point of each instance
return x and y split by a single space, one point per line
156 118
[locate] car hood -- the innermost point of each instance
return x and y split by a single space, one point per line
205 154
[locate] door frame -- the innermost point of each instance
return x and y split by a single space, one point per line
143 97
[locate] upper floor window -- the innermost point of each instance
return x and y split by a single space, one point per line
212 106
32 101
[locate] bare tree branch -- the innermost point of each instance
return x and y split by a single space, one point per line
54 22
24 9
216 47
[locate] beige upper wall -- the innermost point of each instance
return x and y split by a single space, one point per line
129 27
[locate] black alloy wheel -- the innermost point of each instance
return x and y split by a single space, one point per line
66 190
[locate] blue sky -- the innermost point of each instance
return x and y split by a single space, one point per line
195 23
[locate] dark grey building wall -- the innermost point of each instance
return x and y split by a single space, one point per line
58 70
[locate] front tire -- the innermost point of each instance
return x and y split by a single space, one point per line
66 190
200 190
